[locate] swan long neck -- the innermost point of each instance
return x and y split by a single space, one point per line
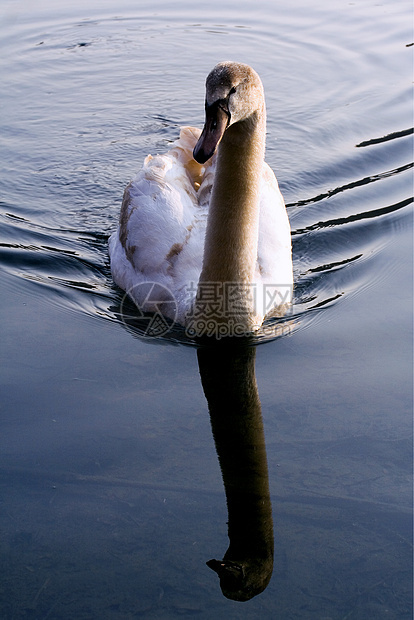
230 250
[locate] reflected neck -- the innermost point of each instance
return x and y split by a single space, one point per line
229 384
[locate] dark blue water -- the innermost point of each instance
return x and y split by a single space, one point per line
123 457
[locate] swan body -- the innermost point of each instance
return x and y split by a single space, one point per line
206 222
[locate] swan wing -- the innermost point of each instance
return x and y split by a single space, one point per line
161 228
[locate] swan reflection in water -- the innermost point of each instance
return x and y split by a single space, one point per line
229 383
228 377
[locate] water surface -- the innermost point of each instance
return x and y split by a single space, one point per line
117 482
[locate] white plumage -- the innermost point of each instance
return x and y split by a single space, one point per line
162 230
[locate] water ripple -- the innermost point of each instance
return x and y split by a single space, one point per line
67 155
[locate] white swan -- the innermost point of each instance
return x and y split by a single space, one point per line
208 225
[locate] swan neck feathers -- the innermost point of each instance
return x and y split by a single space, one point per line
230 250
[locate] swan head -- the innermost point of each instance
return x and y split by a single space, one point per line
234 93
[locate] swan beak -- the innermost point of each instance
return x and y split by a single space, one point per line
217 121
